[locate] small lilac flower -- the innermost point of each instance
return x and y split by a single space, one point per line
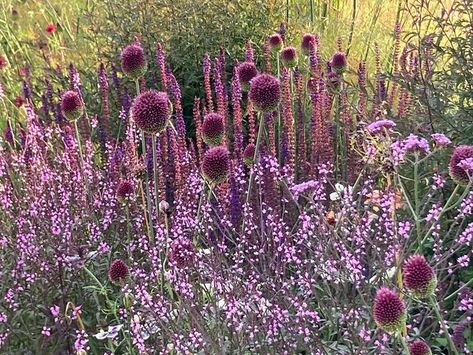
133 61
380 126
265 92
418 347
71 105
246 71
150 110
415 143
216 165
46 331
460 160
467 165
289 57
213 129
389 311
275 42
440 140
419 277
118 271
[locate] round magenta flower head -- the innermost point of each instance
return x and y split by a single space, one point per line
118 271
339 62
457 171
125 190
213 129
133 61
150 110
419 277
308 41
182 252
275 42
265 92
389 311
216 165
71 105
249 155
289 57
418 347
246 72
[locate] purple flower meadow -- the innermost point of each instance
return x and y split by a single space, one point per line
294 219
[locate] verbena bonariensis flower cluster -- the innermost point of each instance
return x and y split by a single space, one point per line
299 220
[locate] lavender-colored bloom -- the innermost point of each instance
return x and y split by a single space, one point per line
418 347
380 126
246 71
289 57
133 61
389 311
275 42
71 105
415 143
265 92
458 162
308 41
213 129
419 277
467 165
339 62
118 271
440 139
150 110
216 164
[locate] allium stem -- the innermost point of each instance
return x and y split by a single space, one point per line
148 197
416 201
436 309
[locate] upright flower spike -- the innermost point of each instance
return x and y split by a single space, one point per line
71 105
265 92
419 277
289 57
133 61
246 72
339 62
389 311
150 110
418 347
213 129
459 174
118 271
216 165
275 42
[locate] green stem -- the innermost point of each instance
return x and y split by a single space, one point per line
404 344
416 201
148 195
436 309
